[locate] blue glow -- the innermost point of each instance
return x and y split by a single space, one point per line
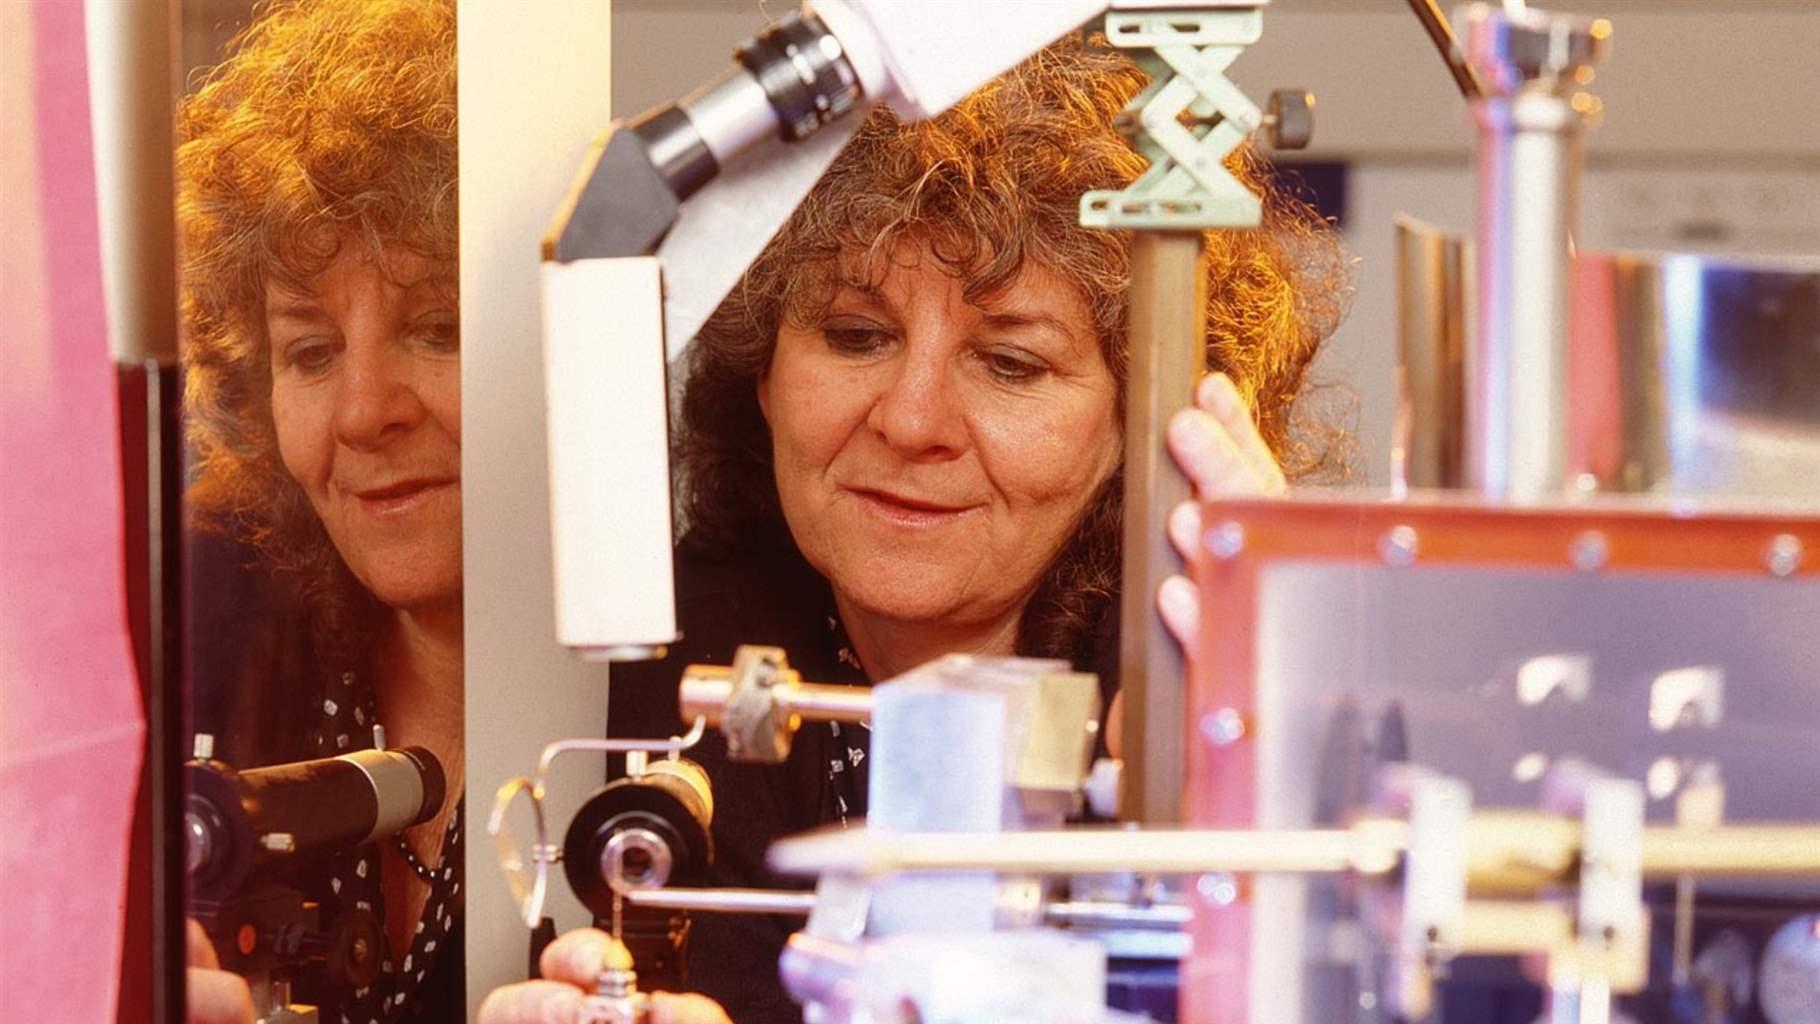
1684 309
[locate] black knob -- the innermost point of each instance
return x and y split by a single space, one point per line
1290 119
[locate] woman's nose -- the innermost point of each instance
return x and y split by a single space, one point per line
377 398
918 413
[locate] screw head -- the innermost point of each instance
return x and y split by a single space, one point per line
1398 547
1226 540
1223 727
1590 551
1218 888
1783 556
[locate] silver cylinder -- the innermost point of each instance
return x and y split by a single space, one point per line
398 788
732 113
1692 376
131 83
1528 180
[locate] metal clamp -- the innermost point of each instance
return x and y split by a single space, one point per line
759 702
1427 905
528 872
1187 185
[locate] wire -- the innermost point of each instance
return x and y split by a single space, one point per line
1441 34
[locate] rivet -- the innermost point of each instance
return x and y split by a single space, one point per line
1398 547
1218 888
1590 551
1783 556
1226 540
1223 727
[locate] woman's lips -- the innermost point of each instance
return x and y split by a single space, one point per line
906 511
400 498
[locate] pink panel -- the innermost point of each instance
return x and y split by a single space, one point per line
70 721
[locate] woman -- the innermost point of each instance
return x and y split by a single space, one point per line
317 211
900 437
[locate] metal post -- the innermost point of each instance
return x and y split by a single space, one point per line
1168 356
1529 122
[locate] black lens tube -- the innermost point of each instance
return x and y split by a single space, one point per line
804 72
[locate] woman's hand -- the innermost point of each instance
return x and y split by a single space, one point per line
570 966
215 996
1221 452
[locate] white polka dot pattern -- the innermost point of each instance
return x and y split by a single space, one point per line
354 881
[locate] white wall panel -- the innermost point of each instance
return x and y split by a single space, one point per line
534 91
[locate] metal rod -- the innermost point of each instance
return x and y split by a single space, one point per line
1441 34
820 702
1372 847
1157 917
1528 194
1732 851
1084 851
675 744
726 901
1167 358
706 689
1095 914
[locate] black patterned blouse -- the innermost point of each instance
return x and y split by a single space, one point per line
426 983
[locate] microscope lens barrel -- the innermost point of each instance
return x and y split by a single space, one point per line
344 801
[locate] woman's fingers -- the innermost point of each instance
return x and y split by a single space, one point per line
532 1002
216 997
1220 396
1180 606
213 995
198 950
1219 447
558 1002
576 957
1184 527
686 1008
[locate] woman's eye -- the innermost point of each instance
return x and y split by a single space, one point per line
442 334
1013 367
310 355
855 338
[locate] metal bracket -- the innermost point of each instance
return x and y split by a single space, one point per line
1187 186
1430 907
528 874
1613 925
1608 952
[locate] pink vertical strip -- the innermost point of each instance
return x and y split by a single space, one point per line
70 721
1221 788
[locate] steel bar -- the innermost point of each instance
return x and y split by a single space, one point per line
726 901
1515 853
1732 851
1167 358
1441 34
1087 851
705 694
1157 917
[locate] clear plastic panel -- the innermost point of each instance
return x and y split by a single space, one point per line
1491 676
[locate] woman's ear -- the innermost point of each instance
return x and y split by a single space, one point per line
764 394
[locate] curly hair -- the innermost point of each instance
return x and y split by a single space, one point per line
333 123
987 186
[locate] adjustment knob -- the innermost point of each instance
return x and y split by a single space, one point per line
1289 118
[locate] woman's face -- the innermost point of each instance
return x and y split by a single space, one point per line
933 455
366 397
